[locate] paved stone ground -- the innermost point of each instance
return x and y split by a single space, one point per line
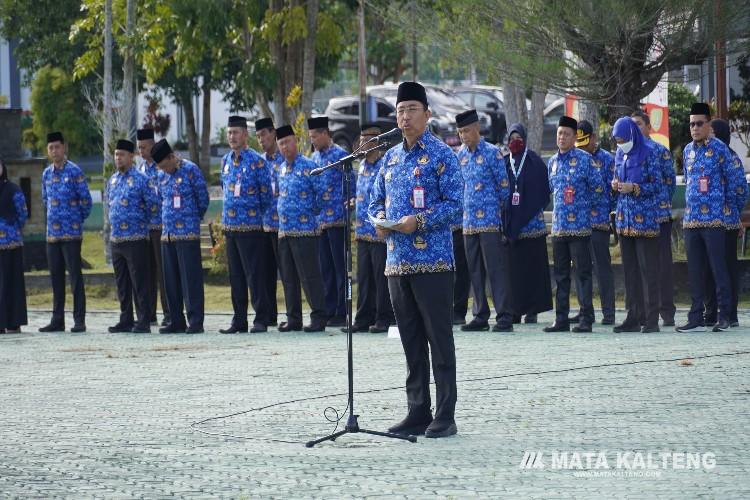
109 415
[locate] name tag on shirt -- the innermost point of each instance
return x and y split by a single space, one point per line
237 189
418 196
703 184
516 199
177 201
569 195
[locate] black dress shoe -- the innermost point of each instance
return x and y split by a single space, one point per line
459 321
709 320
734 324
356 328
194 329
336 321
273 322
691 327
165 322
120 328
722 326
530 319
503 327
234 329
258 329
286 327
575 319
52 328
608 321
475 326
413 424
440 429
141 329
557 327
78 329
517 319
314 328
650 329
582 327
172 329
376 328
668 322
626 328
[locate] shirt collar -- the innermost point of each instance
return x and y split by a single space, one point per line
421 141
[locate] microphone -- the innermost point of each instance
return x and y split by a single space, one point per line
387 136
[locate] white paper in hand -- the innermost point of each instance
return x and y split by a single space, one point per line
393 332
384 223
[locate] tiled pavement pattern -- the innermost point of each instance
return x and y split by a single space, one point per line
109 415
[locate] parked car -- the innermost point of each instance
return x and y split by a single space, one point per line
444 105
489 100
343 118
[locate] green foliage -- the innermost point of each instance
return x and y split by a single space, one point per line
680 100
57 105
739 121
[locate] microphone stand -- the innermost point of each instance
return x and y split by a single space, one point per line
352 425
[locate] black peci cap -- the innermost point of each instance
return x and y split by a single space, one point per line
567 121
263 123
54 137
700 108
144 134
411 91
466 118
284 131
237 121
125 145
161 150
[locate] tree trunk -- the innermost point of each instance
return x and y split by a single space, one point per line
277 56
107 121
536 119
192 133
513 113
589 110
128 76
308 63
205 158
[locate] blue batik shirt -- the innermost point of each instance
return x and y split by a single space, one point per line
366 175
11 235
637 212
300 198
709 184
573 187
248 194
602 200
733 209
486 187
151 171
668 182
271 217
182 219
429 167
132 199
332 211
66 197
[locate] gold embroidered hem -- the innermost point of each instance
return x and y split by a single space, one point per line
695 224
477 230
733 226
533 234
637 233
406 268
326 225
180 237
293 234
124 239
67 237
368 238
600 227
456 227
269 229
11 245
663 219
577 232
242 228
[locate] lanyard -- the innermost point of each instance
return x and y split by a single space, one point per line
517 173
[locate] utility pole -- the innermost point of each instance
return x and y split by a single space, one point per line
721 71
362 66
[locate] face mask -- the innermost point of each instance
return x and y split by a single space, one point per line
626 146
516 146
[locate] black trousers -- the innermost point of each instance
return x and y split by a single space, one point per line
183 280
373 299
62 256
333 268
462 285
565 250
666 273
247 261
299 263
130 260
488 261
156 277
733 269
272 274
422 303
640 263
12 289
602 267
706 250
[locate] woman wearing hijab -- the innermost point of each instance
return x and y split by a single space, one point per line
523 224
637 181
13 215
732 213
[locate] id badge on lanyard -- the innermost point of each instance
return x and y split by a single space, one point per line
703 184
177 201
569 194
516 198
418 197
237 189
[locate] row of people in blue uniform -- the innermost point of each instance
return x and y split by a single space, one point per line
266 199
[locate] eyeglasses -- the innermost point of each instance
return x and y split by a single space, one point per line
408 110
697 124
